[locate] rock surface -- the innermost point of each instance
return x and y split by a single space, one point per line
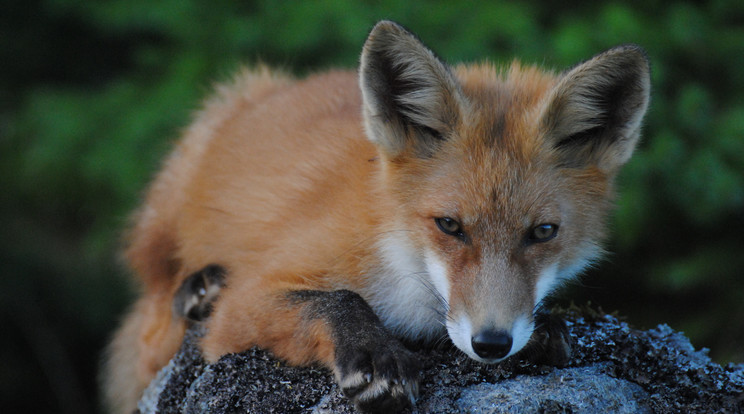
614 368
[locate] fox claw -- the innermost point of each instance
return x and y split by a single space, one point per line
379 380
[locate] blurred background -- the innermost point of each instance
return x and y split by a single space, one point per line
93 94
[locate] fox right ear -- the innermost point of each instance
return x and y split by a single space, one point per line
410 97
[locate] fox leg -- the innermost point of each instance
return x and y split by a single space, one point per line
151 335
165 317
144 343
372 368
337 328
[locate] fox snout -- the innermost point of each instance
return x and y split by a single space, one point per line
490 344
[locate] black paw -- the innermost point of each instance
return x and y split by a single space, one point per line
381 377
550 344
197 293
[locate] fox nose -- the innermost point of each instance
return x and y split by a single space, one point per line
491 344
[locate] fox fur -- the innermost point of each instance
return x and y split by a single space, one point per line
409 200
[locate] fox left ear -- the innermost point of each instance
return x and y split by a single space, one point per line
593 114
411 99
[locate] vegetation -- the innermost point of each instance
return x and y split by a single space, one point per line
94 93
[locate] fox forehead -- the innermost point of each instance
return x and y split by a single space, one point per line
503 105
496 153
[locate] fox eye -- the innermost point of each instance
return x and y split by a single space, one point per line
543 233
449 226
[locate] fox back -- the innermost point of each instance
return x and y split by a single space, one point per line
412 200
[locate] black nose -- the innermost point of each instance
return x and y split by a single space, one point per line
492 344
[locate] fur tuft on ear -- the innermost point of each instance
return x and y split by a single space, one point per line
411 99
593 114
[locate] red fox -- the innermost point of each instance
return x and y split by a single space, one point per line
331 219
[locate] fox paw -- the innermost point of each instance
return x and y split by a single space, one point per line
381 379
193 300
550 344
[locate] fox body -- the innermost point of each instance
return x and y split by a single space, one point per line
412 200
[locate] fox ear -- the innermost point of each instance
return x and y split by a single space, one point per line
410 97
594 112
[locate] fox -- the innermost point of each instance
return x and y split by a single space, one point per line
335 220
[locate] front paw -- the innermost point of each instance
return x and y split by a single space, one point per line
381 377
550 343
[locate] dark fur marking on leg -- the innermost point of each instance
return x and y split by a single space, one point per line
372 367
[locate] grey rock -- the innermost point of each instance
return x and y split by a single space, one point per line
614 368
577 390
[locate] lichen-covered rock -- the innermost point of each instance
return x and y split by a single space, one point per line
614 368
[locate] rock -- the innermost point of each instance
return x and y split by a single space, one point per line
577 390
614 368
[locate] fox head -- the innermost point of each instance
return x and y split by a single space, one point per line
502 179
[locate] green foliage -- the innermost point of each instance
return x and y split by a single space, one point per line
94 93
